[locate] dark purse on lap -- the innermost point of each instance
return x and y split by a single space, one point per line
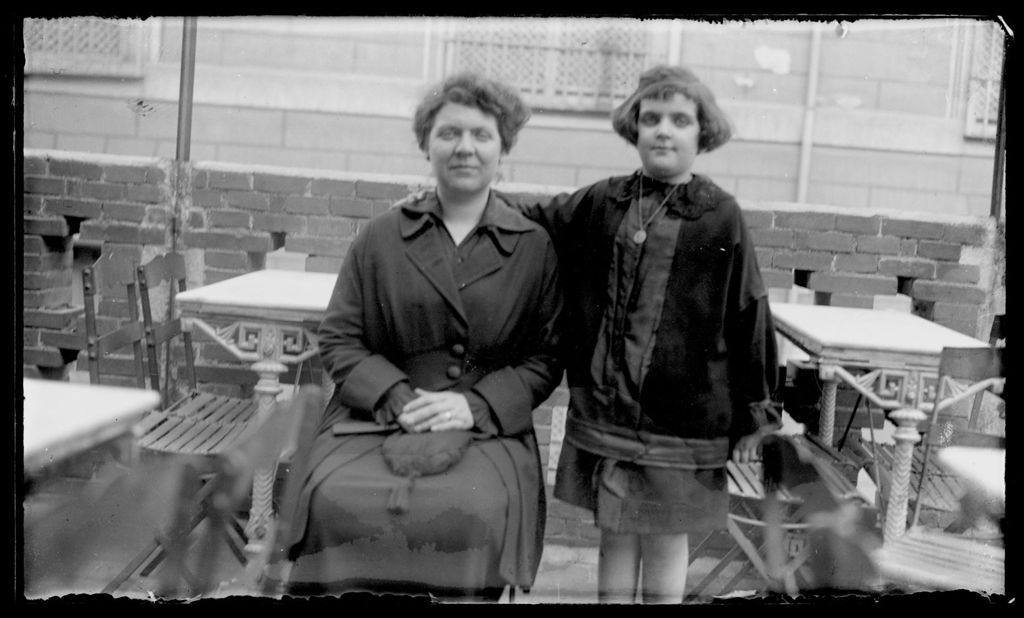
411 455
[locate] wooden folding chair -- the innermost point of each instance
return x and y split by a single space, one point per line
200 424
776 507
214 489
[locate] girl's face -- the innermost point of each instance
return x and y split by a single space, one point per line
464 148
668 135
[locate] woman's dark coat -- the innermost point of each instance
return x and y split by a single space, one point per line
398 313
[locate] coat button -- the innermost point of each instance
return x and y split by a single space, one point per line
454 372
458 350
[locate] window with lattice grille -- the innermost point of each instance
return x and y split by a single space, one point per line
986 68
84 46
578 64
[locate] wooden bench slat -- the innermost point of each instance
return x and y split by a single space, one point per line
225 438
217 437
192 406
245 412
191 431
159 433
168 438
940 494
200 436
149 421
231 410
201 424
744 481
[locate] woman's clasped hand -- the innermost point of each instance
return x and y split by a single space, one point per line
438 411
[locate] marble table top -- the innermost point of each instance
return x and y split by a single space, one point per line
268 293
845 331
62 419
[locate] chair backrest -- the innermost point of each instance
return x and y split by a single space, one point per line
959 369
170 269
99 348
965 376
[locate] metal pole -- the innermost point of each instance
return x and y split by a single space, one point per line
185 86
188 73
181 171
1000 160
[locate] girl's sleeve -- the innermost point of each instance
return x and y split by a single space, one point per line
750 333
555 214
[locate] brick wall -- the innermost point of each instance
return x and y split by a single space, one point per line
949 266
119 205
233 216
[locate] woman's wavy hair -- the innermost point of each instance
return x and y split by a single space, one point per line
663 82
473 90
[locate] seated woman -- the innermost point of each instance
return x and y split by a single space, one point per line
440 336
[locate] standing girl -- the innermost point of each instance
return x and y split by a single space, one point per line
671 348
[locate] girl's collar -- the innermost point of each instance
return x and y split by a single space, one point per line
690 201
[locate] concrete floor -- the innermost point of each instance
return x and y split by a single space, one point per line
567 574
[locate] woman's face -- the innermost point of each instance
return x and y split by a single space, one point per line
464 149
668 135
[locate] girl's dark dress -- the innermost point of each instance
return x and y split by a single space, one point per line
671 350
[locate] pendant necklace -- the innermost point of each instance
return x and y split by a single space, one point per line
641 234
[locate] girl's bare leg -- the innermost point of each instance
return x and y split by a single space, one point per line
665 562
618 567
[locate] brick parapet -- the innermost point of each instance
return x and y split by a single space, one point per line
853 255
94 201
253 210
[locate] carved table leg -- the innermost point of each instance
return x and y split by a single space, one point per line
268 346
906 436
827 412
267 389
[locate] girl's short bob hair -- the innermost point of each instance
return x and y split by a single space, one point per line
472 90
663 82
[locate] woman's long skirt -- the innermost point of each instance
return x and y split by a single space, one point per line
448 539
